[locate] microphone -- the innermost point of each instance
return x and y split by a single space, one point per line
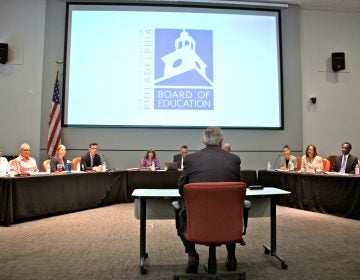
276 161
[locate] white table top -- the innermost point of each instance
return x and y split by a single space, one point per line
173 193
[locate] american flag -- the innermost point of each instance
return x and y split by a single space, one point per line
54 136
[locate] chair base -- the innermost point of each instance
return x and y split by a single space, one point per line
220 275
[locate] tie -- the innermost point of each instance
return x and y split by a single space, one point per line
343 164
91 161
182 163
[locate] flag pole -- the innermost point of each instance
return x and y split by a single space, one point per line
54 134
58 62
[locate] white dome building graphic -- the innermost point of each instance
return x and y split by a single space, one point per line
183 59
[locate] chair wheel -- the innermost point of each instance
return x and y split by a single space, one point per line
143 270
242 276
267 251
284 265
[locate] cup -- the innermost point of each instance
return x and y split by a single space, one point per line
12 172
59 168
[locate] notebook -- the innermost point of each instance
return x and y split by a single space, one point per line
171 166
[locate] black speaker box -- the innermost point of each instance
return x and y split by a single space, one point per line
3 53
338 61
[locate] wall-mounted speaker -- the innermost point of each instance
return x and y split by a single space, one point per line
338 61
4 48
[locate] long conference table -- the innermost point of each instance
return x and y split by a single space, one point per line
35 196
325 193
23 198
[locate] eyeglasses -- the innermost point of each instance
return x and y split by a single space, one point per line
26 150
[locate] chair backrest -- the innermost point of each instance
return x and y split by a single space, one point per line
298 163
214 212
332 160
326 164
74 162
45 164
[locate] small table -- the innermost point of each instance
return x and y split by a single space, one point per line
273 194
173 194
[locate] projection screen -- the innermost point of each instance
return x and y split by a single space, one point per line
172 66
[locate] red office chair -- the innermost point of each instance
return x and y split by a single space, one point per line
326 165
45 164
74 163
214 212
298 163
331 158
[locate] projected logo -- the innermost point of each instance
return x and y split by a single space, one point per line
183 69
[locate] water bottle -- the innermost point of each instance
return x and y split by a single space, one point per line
357 169
48 169
68 166
291 166
268 166
78 167
104 166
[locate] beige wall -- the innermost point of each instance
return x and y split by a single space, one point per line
22 26
36 29
124 146
334 118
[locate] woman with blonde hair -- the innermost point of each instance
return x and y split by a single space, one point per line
58 159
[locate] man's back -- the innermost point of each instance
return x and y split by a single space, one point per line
211 164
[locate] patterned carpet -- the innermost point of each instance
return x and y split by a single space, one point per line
103 243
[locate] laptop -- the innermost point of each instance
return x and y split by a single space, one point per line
171 166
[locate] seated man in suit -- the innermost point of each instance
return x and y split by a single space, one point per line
211 164
346 162
179 158
91 160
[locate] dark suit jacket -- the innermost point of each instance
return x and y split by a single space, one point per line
177 158
85 162
211 164
351 162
